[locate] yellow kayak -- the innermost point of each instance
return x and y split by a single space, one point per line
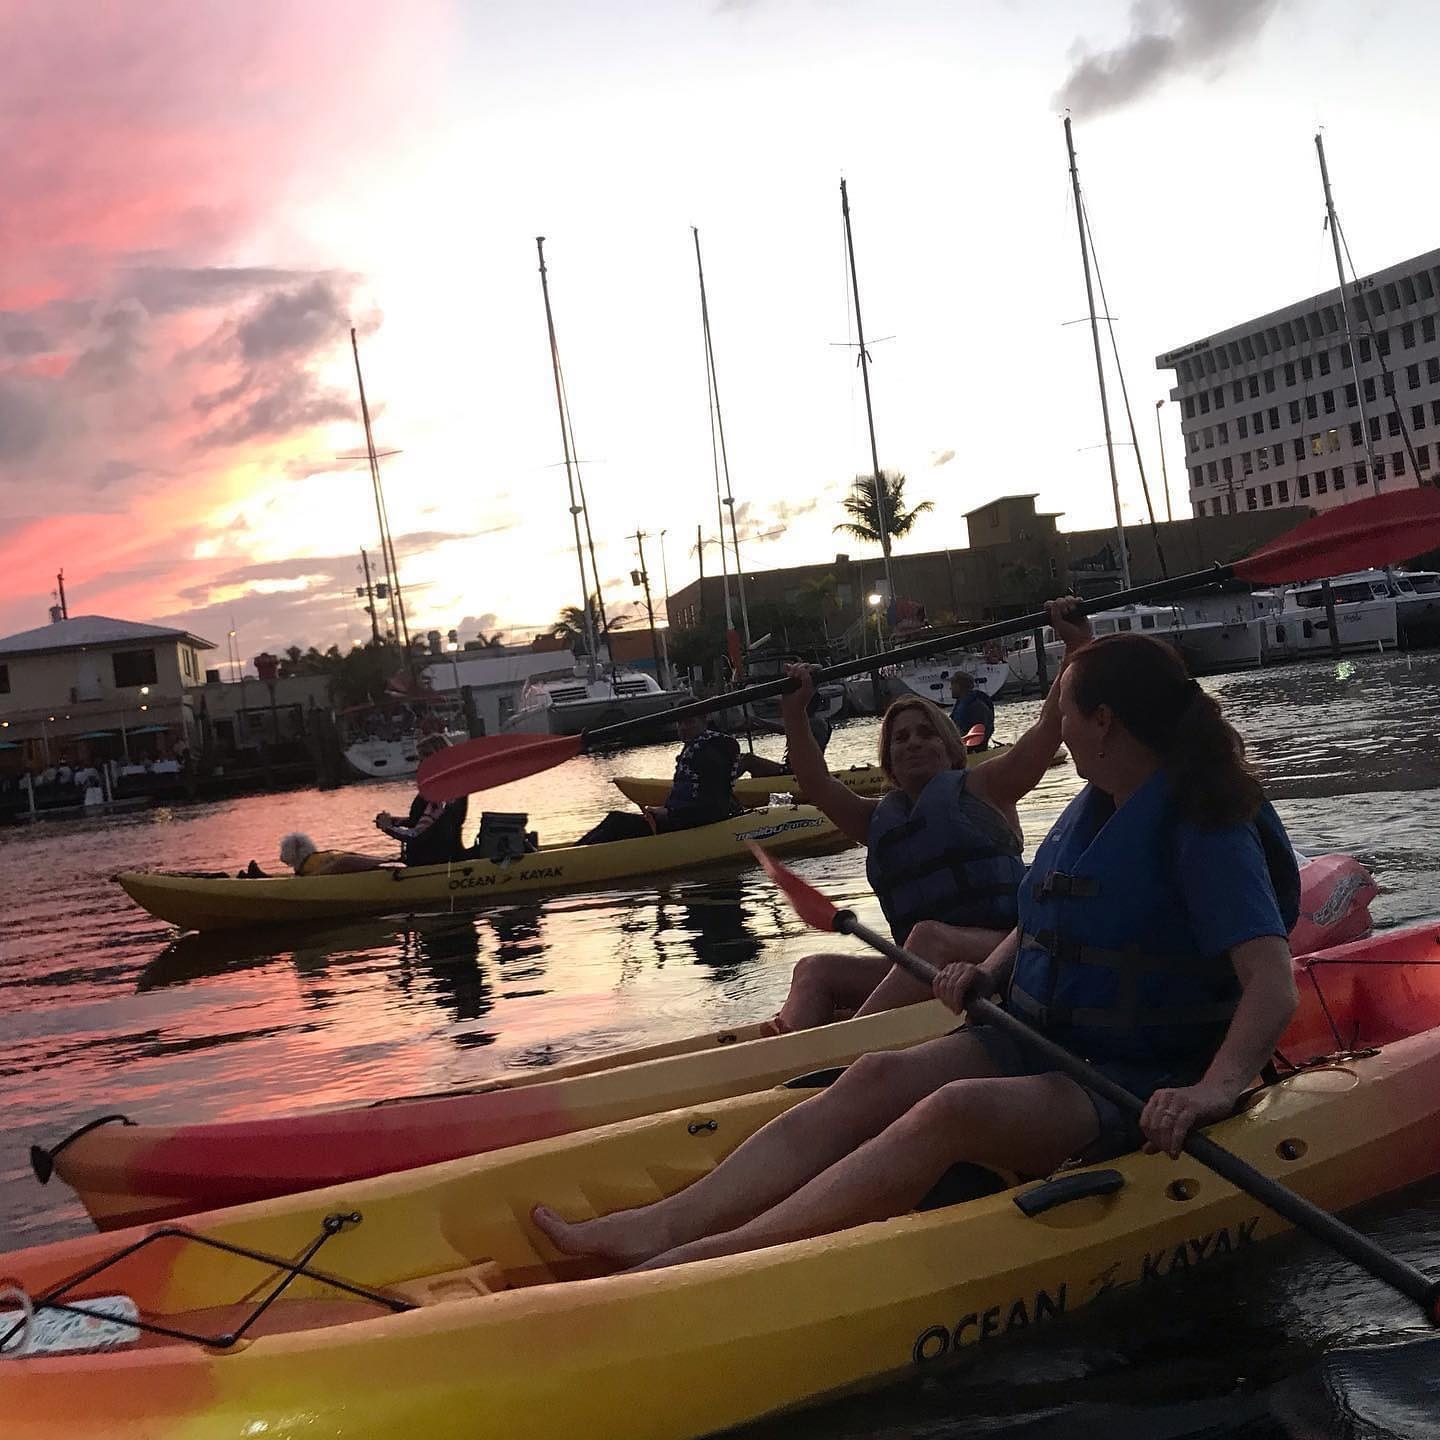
756 790
211 902
428 1304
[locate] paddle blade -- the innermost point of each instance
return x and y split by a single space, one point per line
492 760
810 905
1379 530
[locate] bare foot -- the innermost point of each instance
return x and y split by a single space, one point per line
609 1237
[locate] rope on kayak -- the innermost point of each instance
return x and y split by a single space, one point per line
42 1161
291 1270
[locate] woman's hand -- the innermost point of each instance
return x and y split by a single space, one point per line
1170 1115
1068 625
957 985
794 702
383 819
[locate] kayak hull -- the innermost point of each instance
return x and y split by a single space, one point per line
663 1355
203 902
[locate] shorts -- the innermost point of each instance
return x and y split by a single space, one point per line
1119 1129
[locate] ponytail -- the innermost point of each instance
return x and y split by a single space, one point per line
1146 686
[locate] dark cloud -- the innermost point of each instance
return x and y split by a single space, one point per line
113 357
24 419
112 472
1184 35
290 322
292 401
165 289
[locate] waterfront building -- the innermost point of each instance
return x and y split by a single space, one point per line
1275 411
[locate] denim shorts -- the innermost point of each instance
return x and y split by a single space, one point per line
1119 1129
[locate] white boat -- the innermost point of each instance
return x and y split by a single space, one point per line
379 740
1417 601
572 703
1365 619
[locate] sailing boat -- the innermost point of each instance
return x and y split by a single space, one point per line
585 698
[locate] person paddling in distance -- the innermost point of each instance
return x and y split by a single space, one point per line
944 845
1151 939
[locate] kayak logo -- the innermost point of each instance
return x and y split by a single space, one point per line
1338 901
507 877
980 1325
768 830
1020 1314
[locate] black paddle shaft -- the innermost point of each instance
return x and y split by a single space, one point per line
1408 1279
999 630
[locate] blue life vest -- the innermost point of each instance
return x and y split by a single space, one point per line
1107 965
947 856
704 772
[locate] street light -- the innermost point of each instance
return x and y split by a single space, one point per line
1164 477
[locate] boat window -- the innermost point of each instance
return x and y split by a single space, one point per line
1308 599
1147 622
1123 624
1379 592
1280 634
1349 594
1104 627
1309 629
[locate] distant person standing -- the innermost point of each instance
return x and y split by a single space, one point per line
972 706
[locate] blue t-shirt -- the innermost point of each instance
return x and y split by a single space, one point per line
975 709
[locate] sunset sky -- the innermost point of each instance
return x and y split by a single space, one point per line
198 198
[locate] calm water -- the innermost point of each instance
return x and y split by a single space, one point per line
104 1009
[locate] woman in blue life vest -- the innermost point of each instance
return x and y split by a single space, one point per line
944 845
1151 938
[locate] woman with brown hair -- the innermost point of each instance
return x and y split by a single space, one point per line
944 845
1151 937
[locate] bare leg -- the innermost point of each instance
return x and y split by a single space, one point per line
823 984
872 1093
1027 1124
940 944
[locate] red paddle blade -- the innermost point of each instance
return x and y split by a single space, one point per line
1379 530
492 760
810 905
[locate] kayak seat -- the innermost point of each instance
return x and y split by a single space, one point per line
486 1278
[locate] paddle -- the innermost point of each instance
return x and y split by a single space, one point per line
1380 530
819 913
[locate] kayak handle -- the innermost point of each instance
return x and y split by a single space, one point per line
1067 1188
42 1161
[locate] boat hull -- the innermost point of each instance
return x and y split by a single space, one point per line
217 903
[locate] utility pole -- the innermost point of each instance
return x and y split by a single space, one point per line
369 593
60 588
643 577
1345 315
869 410
1165 474
1099 364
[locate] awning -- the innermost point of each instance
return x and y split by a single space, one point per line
97 734
6 745
150 729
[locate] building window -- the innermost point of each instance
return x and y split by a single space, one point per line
1269 390
1324 358
1307 370
1329 399
1382 342
1338 476
1217 397
1210 472
4 679
1204 402
1417 416
1387 384
1392 423
1321 485
1262 457
1432 370
1357 435
1374 427
1237 392
1257 422
1209 437
1227 468
1379 470
1289 373
1197 477
1351 397
1242 427
1332 439
1282 491
1435 412
1364 349
1397 462
1412 376
1222 433
1298 446
1303 483
1189 404
1369 389
1253 385
1427 329
1247 466
1317 445
1294 412
134 668
1267 499
1274 416
1277 453
1422 457
1407 335
1192 442
1361 478
1312 409
1345 361
1250 500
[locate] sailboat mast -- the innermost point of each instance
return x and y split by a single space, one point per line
587 621
718 421
869 409
1345 314
1099 364
387 548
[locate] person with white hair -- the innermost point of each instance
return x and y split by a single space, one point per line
301 854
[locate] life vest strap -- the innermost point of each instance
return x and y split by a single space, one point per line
1132 959
1057 882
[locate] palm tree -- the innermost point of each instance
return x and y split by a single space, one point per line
864 506
569 625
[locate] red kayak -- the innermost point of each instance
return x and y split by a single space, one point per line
127 1173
